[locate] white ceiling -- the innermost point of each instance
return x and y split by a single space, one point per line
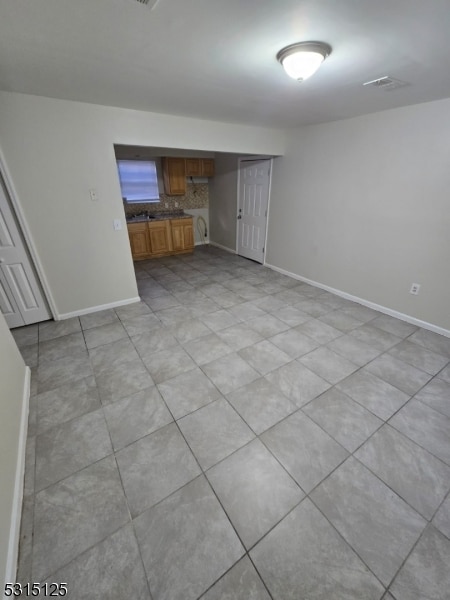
215 59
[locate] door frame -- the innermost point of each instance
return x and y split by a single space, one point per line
26 237
240 160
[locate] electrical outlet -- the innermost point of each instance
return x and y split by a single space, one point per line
166 205
94 194
176 204
415 288
117 224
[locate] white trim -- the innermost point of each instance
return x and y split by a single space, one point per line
223 247
16 515
202 243
383 309
92 309
27 236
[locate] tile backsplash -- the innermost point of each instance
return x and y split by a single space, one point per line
197 196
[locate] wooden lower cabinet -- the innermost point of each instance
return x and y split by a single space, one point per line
139 240
182 235
161 238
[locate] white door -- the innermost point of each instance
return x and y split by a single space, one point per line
21 300
254 178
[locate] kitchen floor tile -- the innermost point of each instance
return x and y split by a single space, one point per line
419 357
363 508
264 356
305 557
304 449
104 334
230 373
239 336
255 491
166 364
66 402
298 383
290 315
425 573
425 426
353 350
413 473
241 579
432 341
340 320
373 336
49 330
76 513
207 348
68 369
399 374
399 328
67 345
188 392
327 364
294 343
96 319
214 431
373 393
154 467
111 569
436 394
346 421
67 448
319 331
136 416
186 542
261 404
267 325
442 518
149 342
26 336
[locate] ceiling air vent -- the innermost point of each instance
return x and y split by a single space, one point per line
150 3
386 83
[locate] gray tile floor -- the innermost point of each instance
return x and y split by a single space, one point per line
237 435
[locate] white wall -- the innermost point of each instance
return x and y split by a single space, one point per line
56 150
12 381
223 201
363 206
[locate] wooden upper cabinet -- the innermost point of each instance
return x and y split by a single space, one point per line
174 173
207 167
193 167
199 167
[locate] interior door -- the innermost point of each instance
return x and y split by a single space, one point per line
21 300
254 178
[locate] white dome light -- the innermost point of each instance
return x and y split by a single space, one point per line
302 60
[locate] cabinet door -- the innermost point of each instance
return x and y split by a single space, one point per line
188 234
174 172
139 240
207 167
159 233
177 235
193 167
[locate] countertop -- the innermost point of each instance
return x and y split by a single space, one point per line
158 217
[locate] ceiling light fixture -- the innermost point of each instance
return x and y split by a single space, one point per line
302 60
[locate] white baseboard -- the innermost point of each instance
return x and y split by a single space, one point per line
222 247
202 243
378 307
16 515
87 311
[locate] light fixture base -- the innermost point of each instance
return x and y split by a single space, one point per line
315 51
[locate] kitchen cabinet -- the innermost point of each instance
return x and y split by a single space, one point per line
175 171
139 240
199 167
162 237
174 174
182 234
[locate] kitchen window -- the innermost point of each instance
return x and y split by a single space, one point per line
138 181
